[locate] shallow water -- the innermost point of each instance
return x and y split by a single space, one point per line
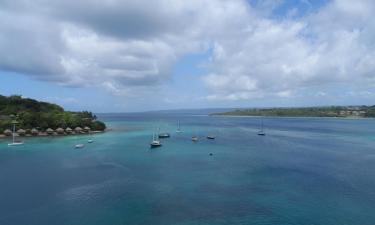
305 171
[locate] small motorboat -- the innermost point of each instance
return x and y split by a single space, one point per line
79 146
211 137
164 135
194 138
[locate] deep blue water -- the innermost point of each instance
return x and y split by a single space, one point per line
305 171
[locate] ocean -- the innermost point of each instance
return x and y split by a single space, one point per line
305 171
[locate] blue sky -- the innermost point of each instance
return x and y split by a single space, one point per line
120 56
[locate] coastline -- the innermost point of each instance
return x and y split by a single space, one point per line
313 117
55 134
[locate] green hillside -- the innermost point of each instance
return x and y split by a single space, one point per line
329 111
30 113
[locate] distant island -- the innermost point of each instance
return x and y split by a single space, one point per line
328 111
33 118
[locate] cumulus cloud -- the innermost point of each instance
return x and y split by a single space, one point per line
118 45
276 57
128 46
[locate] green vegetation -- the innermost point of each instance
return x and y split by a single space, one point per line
329 111
30 113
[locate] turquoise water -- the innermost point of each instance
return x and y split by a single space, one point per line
305 171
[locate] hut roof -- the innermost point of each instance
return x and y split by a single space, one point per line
49 130
60 130
34 131
78 129
87 128
7 131
68 129
21 131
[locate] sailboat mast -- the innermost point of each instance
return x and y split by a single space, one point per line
14 130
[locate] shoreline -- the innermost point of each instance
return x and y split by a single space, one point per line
55 134
312 117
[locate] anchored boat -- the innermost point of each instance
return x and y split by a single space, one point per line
261 132
14 143
155 142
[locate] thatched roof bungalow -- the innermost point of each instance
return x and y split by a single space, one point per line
21 132
68 130
60 130
34 131
78 129
49 131
87 129
7 132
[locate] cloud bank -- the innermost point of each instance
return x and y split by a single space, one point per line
129 47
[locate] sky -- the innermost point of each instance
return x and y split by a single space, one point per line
141 55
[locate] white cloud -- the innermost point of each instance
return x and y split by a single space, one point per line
273 56
119 45
320 94
129 47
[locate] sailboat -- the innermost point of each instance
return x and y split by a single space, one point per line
155 142
79 146
178 127
195 137
13 137
163 135
261 132
90 139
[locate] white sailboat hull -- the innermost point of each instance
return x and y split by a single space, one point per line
15 144
155 144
